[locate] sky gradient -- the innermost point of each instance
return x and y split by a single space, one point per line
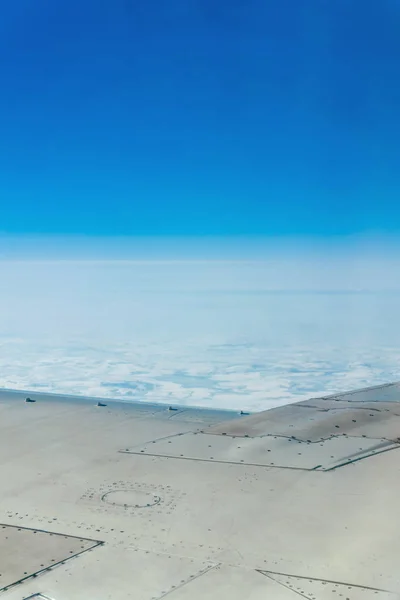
199 198
196 117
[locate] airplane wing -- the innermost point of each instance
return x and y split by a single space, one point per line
110 500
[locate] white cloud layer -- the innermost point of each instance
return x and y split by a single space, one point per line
243 335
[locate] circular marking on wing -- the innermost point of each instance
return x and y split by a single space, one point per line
131 498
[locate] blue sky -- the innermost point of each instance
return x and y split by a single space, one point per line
197 117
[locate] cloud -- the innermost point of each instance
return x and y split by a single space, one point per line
244 335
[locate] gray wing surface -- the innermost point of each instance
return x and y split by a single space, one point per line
129 500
